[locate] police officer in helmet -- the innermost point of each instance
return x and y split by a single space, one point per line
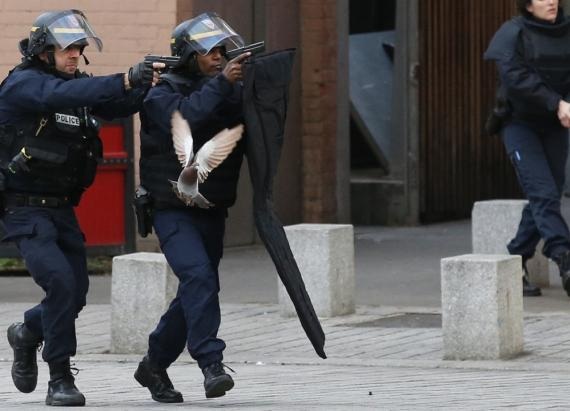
48 157
206 90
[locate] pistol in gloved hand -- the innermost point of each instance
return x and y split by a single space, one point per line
143 210
19 162
144 74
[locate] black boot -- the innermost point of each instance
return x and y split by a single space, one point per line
157 381
216 381
61 387
563 262
25 366
529 289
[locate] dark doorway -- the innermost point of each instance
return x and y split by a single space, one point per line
376 157
371 15
368 16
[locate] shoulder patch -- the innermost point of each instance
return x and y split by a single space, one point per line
67 119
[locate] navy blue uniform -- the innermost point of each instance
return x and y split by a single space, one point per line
533 60
191 238
51 117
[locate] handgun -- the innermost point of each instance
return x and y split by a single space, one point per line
169 61
254 48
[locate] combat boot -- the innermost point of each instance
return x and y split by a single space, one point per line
156 380
61 387
562 260
25 367
216 381
529 289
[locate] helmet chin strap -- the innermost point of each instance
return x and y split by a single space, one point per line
193 67
51 57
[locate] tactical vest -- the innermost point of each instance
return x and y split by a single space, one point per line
64 148
546 48
159 163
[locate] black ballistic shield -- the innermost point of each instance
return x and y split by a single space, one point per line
265 95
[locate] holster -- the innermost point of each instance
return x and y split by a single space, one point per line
142 203
499 114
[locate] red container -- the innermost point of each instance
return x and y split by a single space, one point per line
101 212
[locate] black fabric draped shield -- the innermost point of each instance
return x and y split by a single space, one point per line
265 96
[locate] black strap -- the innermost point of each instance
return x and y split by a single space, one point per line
33 200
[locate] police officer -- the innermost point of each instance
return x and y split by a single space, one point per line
207 92
532 54
49 152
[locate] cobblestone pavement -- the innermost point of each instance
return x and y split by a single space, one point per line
379 358
109 385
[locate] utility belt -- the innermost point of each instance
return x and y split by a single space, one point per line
35 200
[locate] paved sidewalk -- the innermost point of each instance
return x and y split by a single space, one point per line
377 360
387 356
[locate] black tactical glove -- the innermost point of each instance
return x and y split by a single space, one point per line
18 163
141 75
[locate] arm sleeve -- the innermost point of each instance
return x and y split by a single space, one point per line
31 90
197 108
519 79
130 103
523 82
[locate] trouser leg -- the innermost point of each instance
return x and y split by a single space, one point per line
539 158
46 254
192 246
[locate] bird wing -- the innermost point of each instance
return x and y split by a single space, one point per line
182 139
216 150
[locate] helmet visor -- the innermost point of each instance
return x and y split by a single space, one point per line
209 30
73 28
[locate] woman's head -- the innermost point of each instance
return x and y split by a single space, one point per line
541 9
211 63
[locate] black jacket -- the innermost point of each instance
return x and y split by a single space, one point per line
533 61
34 94
209 105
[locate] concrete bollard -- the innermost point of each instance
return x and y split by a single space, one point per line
482 307
142 287
494 223
325 256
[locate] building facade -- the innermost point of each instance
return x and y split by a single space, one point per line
442 91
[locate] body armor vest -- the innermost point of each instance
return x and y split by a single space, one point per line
64 148
546 48
159 163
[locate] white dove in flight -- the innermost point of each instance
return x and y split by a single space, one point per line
197 167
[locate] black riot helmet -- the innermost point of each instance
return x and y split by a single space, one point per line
201 34
59 28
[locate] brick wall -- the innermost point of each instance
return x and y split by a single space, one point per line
129 29
319 110
185 10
